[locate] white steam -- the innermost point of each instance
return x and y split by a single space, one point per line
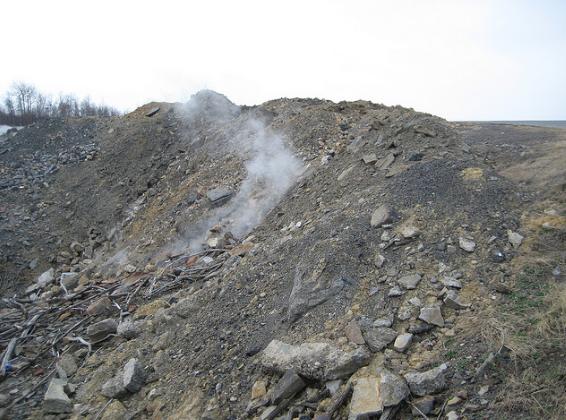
271 169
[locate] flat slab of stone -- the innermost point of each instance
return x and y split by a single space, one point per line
365 399
55 399
432 316
320 361
410 281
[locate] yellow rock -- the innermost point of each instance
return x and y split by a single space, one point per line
258 389
472 174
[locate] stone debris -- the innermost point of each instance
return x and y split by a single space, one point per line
429 382
129 380
354 333
432 315
128 329
219 196
102 330
452 300
410 281
55 400
320 361
467 244
402 342
425 405
451 282
365 399
369 158
259 389
382 215
515 239
289 384
377 338
102 306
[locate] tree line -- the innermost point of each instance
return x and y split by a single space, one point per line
24 104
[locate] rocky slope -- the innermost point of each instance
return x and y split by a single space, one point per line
298 259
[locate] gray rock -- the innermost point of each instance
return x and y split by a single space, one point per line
379 260
365 401
395 291
369 158
46 278
392 388
409 232
219 196
67 364
114 388
498 256
354 333
452 300
451 282
320 361
317 281
377 338
333 386
289 384
410 281
55 399
342 177
424 404
383 322
70 280
100 306
467 244
402 342
133 376
432 315
429 382
515 238
128 329
382 215
424 130
386 162
152 112
101 330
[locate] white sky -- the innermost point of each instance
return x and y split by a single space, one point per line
457 59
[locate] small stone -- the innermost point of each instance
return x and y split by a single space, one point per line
259 389
386 162
369 158
45 278
342 177
451 282
415 156
383 322
483 390
432 315
428 382
130 268
133 376
395 291
377 338
100 307
115 411
379 261
69 280
68 364
289 384
365 399
454 401
424 404
497 256
333 386
102 329
410 281
515 238
55 399
402 342
452 300
354 333
219 196
4 400
467 244
128 329
409 232
381 215
392 388
114 388
452 415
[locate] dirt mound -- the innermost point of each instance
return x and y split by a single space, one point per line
215 261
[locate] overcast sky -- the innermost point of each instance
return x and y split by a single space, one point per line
462 60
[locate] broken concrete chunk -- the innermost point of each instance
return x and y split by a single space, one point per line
288 385
382 215
432 316
429 382
321 361
410 281
101 330
55 399
377 338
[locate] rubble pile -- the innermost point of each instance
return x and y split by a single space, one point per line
351 297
